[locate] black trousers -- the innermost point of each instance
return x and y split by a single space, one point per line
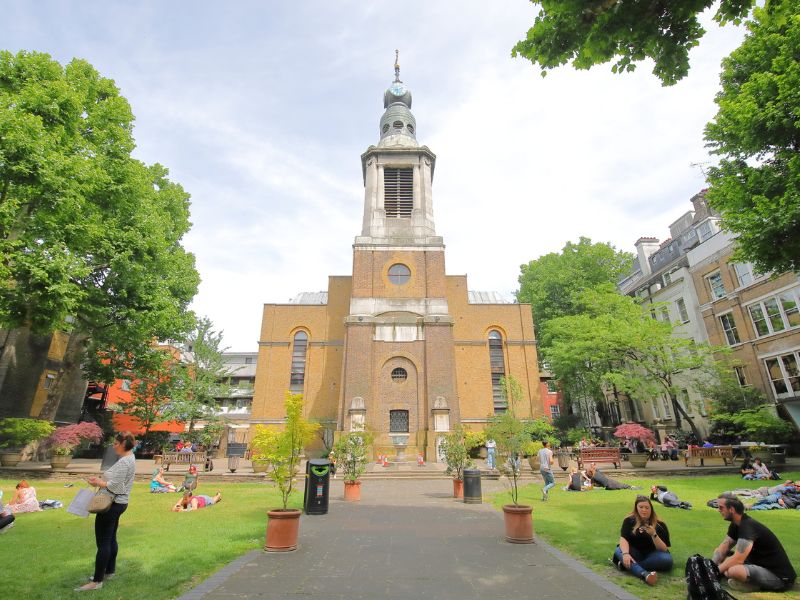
105 534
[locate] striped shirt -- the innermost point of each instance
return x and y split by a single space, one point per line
120 479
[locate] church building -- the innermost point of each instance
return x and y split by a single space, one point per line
398 346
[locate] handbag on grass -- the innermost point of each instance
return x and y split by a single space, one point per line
100 503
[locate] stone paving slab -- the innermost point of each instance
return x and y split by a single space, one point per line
406 540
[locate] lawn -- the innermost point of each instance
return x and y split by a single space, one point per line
162 554
586 526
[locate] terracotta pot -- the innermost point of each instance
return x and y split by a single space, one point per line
519 524
458 488
283 527
10 459
60 461
352 491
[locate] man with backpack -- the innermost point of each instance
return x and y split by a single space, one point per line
758 558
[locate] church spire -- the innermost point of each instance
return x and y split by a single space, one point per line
398 125
397 66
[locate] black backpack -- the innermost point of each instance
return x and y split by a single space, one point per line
702 580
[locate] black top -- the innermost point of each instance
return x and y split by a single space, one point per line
767 551
642 542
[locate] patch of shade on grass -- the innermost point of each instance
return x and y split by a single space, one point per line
162 553
586 526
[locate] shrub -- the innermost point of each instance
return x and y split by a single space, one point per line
64 440
18 433
350 454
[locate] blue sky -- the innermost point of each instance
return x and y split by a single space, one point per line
261 110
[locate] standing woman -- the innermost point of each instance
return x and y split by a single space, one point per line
116 482
643 543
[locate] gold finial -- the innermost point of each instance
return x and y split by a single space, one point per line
397 65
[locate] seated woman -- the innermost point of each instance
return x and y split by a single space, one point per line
192 502
24 499
159 485
578 481
599 478
643 543
762 471
747 470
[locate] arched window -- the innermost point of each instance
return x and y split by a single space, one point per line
497 365
298 374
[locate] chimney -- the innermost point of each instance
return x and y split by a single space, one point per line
645 247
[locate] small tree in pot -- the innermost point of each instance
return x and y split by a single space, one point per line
64 440
350 454
282 451
456 447
15 434
635 431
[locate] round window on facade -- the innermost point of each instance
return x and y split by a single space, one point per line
399 274
397 124
399 374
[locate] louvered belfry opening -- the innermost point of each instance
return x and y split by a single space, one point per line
398 193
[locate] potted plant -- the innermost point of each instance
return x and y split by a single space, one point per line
15 434
456 447
531 450
350 454
63 441
282 451
635 431
509 434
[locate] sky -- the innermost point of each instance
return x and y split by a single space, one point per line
262 109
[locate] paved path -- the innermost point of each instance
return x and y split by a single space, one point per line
406 540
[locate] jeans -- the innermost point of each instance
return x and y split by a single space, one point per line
105 534
490 457
549 480
655 561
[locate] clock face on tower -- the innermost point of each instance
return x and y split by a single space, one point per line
398 89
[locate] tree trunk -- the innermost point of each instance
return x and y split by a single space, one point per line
6 356
679 410
73 357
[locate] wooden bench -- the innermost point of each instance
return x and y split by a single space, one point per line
181 458
723 452
598 455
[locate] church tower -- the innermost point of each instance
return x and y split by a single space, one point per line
399 325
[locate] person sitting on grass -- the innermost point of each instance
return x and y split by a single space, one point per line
578 481
759 561
196 502
24 499
159 485
662 495
747 470
599 478
643 547
762 471
6 518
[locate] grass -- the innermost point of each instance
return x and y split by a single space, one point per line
586 526
162 554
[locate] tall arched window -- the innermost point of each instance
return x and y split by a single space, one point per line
497 365
298 374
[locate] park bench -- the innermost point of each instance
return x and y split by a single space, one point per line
598 455
723 452
180 458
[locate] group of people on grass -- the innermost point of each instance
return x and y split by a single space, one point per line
756 469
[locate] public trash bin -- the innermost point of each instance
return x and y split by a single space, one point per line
472 486
317 490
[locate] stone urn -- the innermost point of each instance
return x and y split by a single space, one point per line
10 458
638 460
60 461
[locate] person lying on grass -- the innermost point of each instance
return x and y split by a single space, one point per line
603 480
195 502
643 546
661 494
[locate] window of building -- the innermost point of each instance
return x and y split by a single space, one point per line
665 314
705 231
667 407
497 365
410 128
49 380
248 360
680 304
744 273
398 421
398 192
385 128
399 374
783 374
397 124
684 400
552 386
741 376
125 385
729 327
399 274
555 411
716 285
297 376
775 314
667 279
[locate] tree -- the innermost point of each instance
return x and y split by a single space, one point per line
90 239
756 131
615 345
552 283
199 379
592 32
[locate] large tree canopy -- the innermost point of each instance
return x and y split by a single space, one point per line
592 32
553 283
756 131
90 238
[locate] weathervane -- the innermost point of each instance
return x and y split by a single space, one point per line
397 65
